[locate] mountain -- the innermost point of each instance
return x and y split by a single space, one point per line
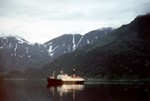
18 54
122 53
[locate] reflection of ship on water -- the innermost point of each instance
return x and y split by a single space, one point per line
70 88
65 89
65 79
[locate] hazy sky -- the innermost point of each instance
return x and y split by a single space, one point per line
42 20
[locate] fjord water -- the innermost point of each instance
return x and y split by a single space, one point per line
38 90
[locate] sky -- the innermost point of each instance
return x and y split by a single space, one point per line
42 20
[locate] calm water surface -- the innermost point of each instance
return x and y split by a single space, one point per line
37 90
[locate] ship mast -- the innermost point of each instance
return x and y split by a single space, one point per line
74 75
53 74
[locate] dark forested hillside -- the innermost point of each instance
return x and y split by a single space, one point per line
123 53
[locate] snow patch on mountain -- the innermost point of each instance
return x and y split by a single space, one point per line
88 41
105 32
15 48
63 44
73 41
27 50
1 47
51 50
80 40
50 43
69 48
95 37
9 45
3 42
21 41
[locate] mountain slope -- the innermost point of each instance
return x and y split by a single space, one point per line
124 55
18 54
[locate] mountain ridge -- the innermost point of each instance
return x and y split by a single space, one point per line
125 55
121 53
18 54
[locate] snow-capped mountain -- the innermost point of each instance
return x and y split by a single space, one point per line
17 53
63 44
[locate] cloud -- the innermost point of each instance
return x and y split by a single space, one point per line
55 17
71 10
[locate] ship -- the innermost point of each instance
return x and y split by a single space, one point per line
65 79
